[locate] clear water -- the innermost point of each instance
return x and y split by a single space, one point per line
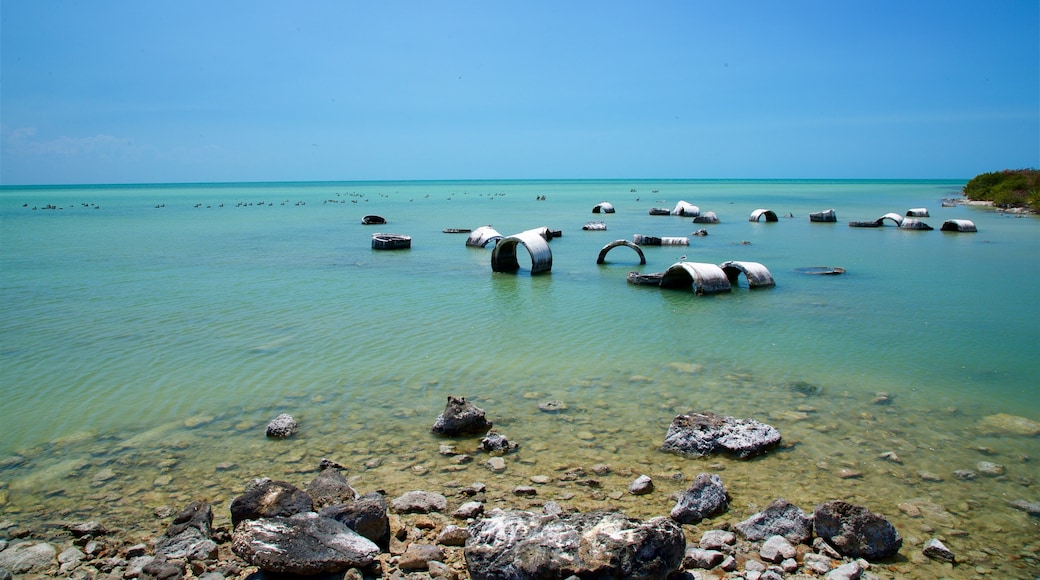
156 342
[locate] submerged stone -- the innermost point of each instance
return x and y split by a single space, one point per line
700 434
706 497
935 550
1003 423
856 532
779 518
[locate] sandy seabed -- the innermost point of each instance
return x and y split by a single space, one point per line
871 451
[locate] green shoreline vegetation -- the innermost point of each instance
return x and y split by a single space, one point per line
1007 188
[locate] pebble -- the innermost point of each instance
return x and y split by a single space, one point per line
849 571
601 469
882 399
585 435
642 485
474 489
496 464
935 550
890 456
540 479
793 416
965 474
703 559
198 421
525 491
981 449
929 476
850 474
552 406
418 556
910 509
817 563
717 539
991 469
776 549
102 476
468 510
452 535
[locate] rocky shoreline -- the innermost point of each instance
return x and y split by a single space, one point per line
327 529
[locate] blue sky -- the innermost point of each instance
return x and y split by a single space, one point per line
125 91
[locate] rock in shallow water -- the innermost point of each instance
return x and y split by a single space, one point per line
459 418
421 502
302 544
642 485
700 434
779 518
856 532
522 545
935 550
706 497
1005 424
1030 507
495 442
282 426
330 487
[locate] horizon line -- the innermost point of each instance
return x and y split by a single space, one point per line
473 180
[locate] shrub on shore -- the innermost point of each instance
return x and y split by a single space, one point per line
1007 188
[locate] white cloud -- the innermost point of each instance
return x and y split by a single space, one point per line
24 141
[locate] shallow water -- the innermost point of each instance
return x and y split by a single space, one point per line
143 349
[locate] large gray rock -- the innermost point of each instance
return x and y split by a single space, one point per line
856 532
266 498
330 487
302 544
419 502
282 426
779 518
521 545
706 497
366 515
460 417
188 537
23 557
699 434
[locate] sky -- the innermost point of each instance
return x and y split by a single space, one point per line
166 91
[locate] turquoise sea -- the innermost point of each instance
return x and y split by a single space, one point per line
148 333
